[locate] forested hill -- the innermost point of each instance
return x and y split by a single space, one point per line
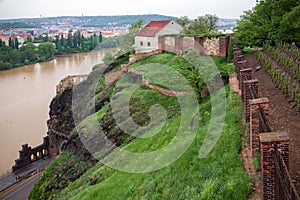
87 21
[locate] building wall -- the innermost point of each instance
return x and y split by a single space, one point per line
169 44
145 48
171 28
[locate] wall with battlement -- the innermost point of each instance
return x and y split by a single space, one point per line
28 154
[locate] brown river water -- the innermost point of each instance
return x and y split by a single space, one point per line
25 96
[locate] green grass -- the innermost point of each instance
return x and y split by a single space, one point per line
63 170
220 175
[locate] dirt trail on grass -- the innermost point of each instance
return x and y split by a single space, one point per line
281 115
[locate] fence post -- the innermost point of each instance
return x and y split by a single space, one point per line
238 59
243 74
246 93
240 66
268 142
255 124
236 52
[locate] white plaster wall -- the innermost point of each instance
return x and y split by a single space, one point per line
145 48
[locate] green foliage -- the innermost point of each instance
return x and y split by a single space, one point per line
290 25
63 170
110 42
269 22
202 25
11 57
220 175
281 64
13 25
46 51
127 40
230 53
183 21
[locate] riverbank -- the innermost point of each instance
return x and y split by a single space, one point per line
26 93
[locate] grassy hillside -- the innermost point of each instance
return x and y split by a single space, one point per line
220 175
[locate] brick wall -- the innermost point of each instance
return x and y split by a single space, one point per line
272 147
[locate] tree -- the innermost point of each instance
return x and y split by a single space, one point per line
29 39
28 53
202 25
211 22
62 40
69 40
136 26
11 43
46 51
183 21
46 38
100 37
17 43
290 26
269 22
57 43
128 39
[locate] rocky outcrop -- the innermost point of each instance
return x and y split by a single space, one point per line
61 123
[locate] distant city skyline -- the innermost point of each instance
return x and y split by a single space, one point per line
10 9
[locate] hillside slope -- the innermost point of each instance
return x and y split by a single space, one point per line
220 175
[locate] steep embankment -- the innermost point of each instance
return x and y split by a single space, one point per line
220 175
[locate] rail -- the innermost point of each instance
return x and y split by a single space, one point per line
285 189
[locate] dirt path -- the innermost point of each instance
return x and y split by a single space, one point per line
281 115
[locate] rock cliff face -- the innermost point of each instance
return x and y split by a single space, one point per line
61 127
61 123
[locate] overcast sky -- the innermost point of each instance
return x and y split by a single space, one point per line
190 8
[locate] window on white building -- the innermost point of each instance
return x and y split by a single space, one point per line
149 44
141 43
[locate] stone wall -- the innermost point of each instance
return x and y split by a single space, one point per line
212 46
28 155
110 78
216 46
140 56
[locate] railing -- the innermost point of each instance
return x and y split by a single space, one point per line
285 188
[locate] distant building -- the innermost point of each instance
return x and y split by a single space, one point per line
146 40
5 39
226 31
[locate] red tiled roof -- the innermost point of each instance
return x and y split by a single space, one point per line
25 35
152 28
4 37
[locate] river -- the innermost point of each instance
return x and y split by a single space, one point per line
26 93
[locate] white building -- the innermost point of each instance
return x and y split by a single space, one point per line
146 40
